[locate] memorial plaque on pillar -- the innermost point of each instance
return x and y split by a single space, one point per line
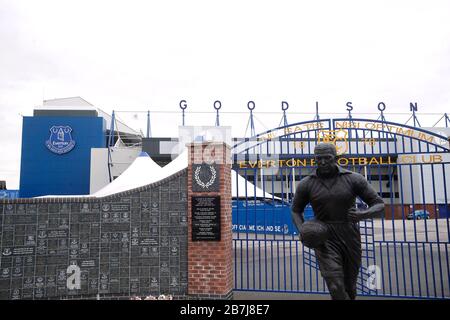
206 218
205 178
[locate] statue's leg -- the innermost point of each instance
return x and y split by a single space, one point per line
331 266
352 265
350 285
352 259
336 286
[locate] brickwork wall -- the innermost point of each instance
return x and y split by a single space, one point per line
398 211
210 263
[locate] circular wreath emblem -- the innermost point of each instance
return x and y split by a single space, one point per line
211 180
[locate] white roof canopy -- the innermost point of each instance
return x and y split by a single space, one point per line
141 172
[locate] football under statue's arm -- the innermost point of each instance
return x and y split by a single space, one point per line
366 192
301 199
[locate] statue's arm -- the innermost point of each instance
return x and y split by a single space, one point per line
301 199
368 194
375 211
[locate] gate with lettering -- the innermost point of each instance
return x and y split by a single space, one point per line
405 253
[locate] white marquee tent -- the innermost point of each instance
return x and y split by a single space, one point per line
144 171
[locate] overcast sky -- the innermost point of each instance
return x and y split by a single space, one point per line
135 55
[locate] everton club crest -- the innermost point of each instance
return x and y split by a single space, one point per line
60 140
336 137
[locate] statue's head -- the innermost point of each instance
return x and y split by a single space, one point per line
326 158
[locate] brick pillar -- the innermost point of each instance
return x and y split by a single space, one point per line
210 263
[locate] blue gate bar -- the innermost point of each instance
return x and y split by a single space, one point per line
447 214
415 228
399 170
391 200
437 232
423 199
426 269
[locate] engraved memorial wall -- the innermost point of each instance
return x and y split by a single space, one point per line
130 244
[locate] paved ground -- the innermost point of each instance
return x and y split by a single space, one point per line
253 295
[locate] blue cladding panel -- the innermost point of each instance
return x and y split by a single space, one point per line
265 216
43 172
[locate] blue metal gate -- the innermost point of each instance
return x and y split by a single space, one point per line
405 253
